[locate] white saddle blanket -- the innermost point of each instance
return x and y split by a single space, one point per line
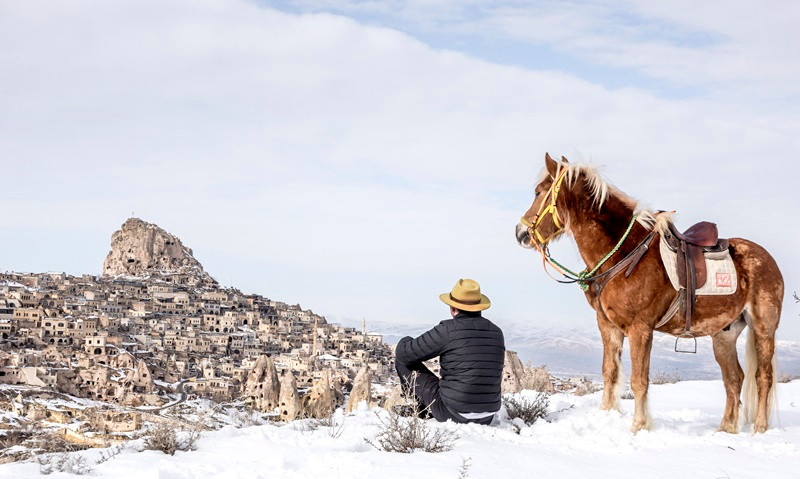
720 271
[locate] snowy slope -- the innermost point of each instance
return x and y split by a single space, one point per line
579 442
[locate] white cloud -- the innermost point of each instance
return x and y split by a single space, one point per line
743 50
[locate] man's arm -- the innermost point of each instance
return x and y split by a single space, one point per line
423 348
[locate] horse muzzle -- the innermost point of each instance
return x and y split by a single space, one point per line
523 236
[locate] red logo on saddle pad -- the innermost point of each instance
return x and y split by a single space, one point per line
723 280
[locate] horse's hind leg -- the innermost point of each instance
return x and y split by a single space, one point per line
763 283
732 375
763 314
612 362
761 351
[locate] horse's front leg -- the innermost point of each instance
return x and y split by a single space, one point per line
641 340
612 362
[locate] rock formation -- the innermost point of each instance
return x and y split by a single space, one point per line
538 379
362 388
262 389
140 378
140 248
320 402
101 382
513 373
290 408
394 398
517 377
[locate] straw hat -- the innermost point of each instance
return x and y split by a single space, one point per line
466 296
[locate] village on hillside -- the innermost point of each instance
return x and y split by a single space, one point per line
121 339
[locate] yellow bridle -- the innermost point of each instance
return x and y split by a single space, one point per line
547 207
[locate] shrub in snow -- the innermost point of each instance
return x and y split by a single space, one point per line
662 377
15 437
463 471
408 434
162 438
63 462
110 453
245 418
529 410
397 433
165 437
53 442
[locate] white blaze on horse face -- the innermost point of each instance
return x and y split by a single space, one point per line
523 238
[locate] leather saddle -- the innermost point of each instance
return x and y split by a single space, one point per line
690 246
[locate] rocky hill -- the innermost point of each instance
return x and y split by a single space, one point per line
142 248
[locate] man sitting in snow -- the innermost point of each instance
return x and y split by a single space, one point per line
471 352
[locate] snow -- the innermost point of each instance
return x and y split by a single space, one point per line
580 441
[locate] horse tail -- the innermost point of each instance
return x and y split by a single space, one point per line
750 388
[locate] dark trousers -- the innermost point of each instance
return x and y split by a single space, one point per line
426 390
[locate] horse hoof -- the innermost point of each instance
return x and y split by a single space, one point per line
641 425
759 428
729 428
611 407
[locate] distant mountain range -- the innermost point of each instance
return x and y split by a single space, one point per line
579 351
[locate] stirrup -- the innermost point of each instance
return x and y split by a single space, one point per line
686 335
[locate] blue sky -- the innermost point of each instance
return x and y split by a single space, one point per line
446 29
360 157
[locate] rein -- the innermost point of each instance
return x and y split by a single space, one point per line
585 277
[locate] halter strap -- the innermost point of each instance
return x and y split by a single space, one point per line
547 208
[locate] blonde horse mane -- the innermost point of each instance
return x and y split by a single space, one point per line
600 190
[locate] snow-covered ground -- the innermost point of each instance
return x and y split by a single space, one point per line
578 442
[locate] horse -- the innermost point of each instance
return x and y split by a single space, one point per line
610 228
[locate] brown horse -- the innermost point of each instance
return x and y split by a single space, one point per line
576 200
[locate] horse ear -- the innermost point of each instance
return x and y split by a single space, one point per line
564 159
552 166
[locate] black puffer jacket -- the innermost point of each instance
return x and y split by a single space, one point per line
471 352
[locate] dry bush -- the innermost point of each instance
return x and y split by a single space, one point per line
15 437
162 438
334 425
63 462
527 409
51 442
408 434
663 377
110 453
463 471
785 377
169 437
628 394
246 418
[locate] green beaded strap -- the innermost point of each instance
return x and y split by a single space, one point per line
584 277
